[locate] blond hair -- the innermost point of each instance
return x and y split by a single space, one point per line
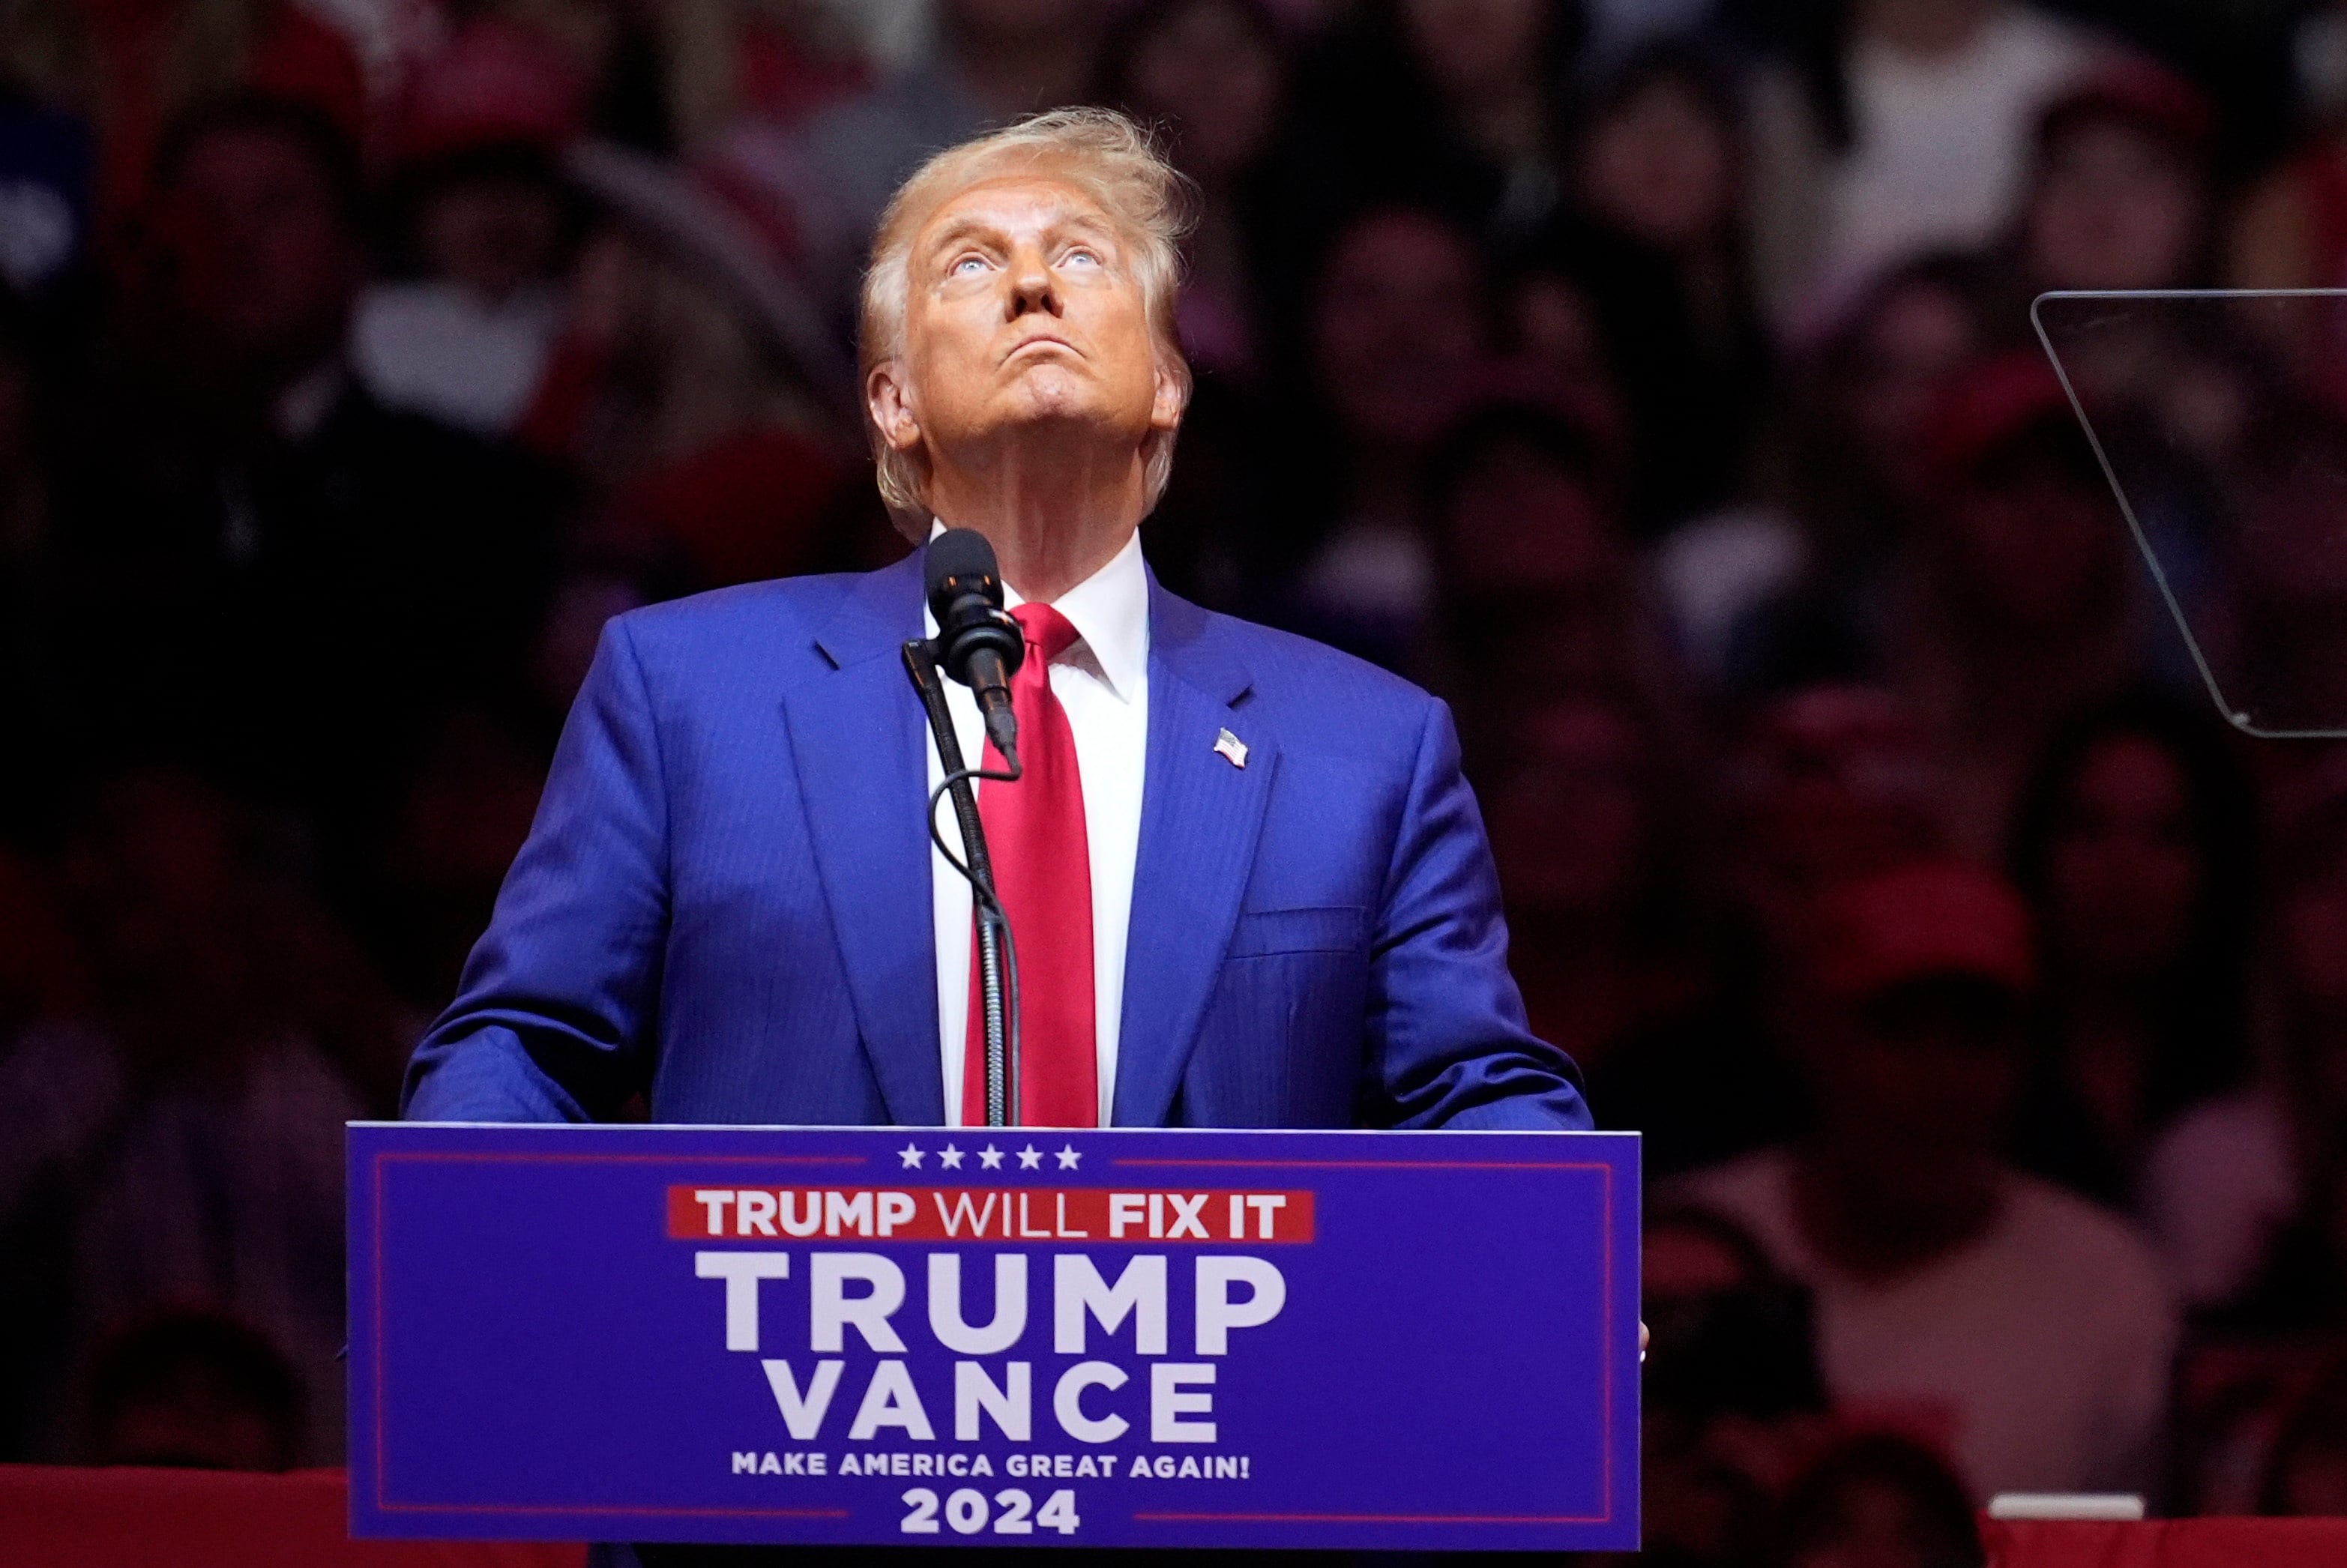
1101 153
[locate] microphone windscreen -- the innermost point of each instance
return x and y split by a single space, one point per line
960 553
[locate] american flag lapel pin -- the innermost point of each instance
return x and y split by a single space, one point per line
1231 747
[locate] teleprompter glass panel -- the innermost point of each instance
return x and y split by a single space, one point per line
2219 417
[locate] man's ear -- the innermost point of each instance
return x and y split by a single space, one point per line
890 403
1172 398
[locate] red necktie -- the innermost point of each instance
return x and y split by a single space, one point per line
1043 874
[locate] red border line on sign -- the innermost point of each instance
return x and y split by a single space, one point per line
1373 1518
1605 1316
382 1350
593 1511
1384 1164
427 1157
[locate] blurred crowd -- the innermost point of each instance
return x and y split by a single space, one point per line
1655 379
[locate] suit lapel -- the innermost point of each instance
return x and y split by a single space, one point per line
856 734
1199 819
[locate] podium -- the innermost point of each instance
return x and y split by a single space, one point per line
1413 1341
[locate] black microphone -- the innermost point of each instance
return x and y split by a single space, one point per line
977 644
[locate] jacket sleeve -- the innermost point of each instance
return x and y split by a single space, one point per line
555 1018
1448 1044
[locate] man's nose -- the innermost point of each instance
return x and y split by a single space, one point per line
1032 287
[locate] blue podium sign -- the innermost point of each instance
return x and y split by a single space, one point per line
1400 1340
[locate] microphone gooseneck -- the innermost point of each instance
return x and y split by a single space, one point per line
977 644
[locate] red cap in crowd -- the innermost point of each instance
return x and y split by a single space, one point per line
1989 407
2139 90
1920 921
493 82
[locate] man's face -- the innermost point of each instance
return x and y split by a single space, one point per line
2124 871
1921 1074
1396 329
1022 314
263 267
2115 208
2033 547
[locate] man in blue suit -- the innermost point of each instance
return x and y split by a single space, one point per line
1249 884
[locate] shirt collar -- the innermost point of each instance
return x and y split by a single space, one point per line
1110 610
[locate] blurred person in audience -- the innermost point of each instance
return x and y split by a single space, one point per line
669 80
2124 196
1589 829
128 70
762 501
2276 623
1877 1501
2289 229
43 971
1571 714
1399 332
994 60
1537 595
780 61
622 54
1734 1403
675 376
2306 1469
183 1139
1654 242
46 160
193 1389
44 975
1831 784
2021 1329
260 564
2016 603
1894 128
1552 331
2118 194
462 817
28 529
480 216
583 600
2247 1195
1825 786
2136 843
1213 73
1456 105
1762 598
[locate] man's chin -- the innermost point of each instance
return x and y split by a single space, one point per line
1050 381
1058 408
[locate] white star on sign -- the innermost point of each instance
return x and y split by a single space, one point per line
949 1157
911 1155
1030 1157
1068 1158
990 1157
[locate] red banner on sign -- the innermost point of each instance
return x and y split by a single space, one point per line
989 1213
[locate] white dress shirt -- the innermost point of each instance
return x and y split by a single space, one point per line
1102 682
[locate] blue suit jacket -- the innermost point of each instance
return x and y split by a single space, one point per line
724 902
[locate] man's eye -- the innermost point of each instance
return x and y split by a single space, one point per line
1082 258
967 264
